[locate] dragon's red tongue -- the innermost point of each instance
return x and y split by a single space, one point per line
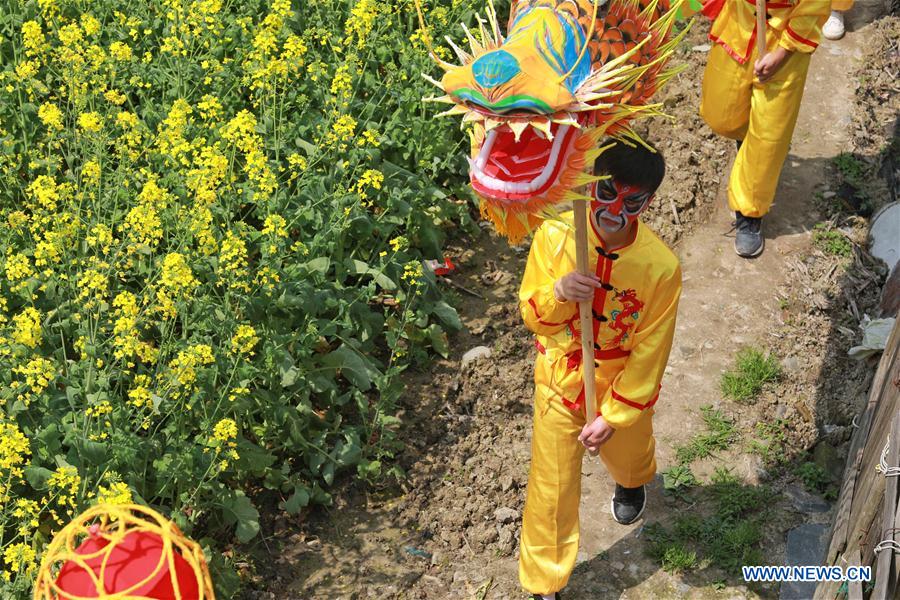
523 160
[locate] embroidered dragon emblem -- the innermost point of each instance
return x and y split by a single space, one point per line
623 319
539 100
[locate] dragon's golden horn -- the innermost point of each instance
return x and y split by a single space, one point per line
473 43
439 99
485 38
495 25
583 179
453 111
433 81
463 56
587 41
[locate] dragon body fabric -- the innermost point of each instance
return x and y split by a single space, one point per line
540 99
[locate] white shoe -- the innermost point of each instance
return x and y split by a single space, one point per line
833 29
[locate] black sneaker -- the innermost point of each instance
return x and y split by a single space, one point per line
748 239
538 597
628 504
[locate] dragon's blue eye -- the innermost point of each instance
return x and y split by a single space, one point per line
495 69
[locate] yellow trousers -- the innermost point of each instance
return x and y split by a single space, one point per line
735 105
841 5
549 542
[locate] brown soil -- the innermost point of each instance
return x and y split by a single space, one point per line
451 528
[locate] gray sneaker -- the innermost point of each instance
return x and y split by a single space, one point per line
748 239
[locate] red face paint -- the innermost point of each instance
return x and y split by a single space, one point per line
616 205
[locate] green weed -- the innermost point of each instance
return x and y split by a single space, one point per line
851 168
831 241
752 371
721 433
771 442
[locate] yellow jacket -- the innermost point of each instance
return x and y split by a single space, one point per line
795 24
634 319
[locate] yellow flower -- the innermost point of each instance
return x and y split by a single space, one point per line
90 24
225 430
399 243
90 172
27 326
115 97
361 21
116 493
184 366
20 558
140 395
38 372
32 37
90 122
18 271
176 283
275 225
120 51
244 339
142 228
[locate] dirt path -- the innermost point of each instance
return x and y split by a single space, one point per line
452 531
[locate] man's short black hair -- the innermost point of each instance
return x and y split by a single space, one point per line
632 165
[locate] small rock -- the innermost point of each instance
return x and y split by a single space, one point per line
804 502
829 195
826 456
885 234
506 483
436 559
474 354
780 411
806 545
791 363
701 48
506 514
617 565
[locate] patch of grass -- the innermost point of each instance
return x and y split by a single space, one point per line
770 444
721 433
831 241
726 535
678 477
752 371
851 168
676 559
816 479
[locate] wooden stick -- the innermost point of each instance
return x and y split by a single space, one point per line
586 317
760 28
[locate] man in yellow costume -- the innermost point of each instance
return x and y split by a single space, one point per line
756 100
634 292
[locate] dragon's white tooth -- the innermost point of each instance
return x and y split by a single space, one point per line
440 99
472 116
490 124
518 127
544 127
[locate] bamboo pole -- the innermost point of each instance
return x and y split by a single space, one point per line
760 28
585 313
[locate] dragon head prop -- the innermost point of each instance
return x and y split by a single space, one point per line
539 100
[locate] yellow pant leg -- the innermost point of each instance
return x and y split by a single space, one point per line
725 102
774 107
549 542
630 454
841 5
550 532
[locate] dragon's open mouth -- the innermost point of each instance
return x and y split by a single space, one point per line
510 170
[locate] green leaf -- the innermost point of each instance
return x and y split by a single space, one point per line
355 367
299 499
37 477
358 267
439 340
239 510
448 315
320 265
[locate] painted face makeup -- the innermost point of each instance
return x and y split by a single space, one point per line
616 205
